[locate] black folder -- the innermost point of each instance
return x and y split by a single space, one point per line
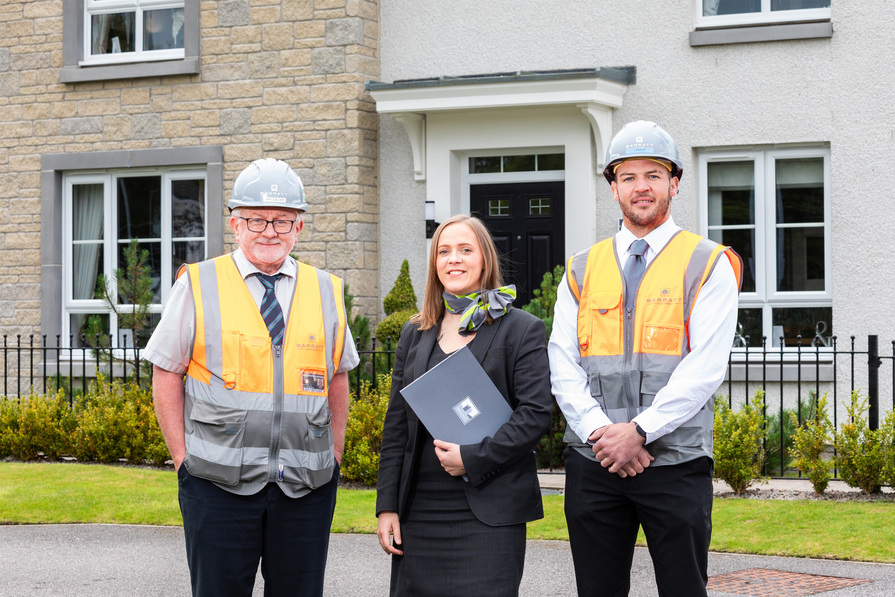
457 401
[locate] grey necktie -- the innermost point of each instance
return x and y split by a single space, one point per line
270 309
634 267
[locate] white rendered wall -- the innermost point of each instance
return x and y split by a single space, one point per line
834 91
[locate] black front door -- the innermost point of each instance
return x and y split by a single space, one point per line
527 221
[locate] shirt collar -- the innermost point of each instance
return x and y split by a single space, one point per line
246 269
657 239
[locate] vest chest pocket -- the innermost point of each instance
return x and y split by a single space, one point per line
247 362
605 315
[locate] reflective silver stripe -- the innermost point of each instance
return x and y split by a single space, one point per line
211 307
304 459
330 317
577 271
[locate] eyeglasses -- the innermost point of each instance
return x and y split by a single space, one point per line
260 225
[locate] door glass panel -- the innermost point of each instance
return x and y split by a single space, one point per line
498 207
800 191
518 163
112 33
552 161
539 206
139 207
484 165
163 29
808 322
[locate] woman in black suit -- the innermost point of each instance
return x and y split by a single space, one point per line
453 517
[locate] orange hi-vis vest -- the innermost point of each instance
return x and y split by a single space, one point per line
629 355
255 413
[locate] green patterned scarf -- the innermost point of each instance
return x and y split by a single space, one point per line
476 306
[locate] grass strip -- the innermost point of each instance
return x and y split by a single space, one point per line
53 493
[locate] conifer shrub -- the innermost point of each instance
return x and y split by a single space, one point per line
738 448
809 443
363 436
861 452
36 425
889 443
401 297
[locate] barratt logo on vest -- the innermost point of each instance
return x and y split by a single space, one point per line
311 343
666 296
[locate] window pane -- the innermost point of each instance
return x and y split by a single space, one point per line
484 165
153 261
112 33
86 265
163 29
518 163
798 4
188 209
139 207
748 324
807 322
87 212
800 259
731 193
800 190
498 207
539 206
89 329
191 251
743 242
729 7
552 161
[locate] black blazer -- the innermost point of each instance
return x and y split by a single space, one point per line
503 484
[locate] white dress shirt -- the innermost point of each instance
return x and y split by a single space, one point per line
712 325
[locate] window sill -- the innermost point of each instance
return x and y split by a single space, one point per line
131 70
760 33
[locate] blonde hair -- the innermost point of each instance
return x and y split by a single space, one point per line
433 301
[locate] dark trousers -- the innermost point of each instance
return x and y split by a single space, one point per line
604 512
227 535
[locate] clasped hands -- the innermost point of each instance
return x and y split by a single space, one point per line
620 448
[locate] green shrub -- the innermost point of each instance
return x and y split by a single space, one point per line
391 327
889 443
401 297
738 443
35 425
116 420
363 436
541 306
778 458
860 452
809 442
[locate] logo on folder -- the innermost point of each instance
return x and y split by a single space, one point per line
466 410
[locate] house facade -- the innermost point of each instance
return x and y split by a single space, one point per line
123 119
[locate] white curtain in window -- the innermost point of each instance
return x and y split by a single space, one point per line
710 7
100 33
87 225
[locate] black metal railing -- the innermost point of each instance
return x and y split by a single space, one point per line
788 373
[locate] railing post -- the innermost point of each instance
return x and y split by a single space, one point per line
873 365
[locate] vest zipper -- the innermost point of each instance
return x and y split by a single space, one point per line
279 391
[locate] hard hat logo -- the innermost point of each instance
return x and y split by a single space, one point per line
642 139
266 182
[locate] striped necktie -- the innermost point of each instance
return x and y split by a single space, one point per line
270 309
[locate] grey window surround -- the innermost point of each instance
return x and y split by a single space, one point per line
54 165
73 31
760 33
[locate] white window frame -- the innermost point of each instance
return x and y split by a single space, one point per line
111 242
766 16
765 296
100 7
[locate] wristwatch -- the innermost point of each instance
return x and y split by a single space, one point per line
640 430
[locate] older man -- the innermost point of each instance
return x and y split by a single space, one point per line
635 355
250 365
